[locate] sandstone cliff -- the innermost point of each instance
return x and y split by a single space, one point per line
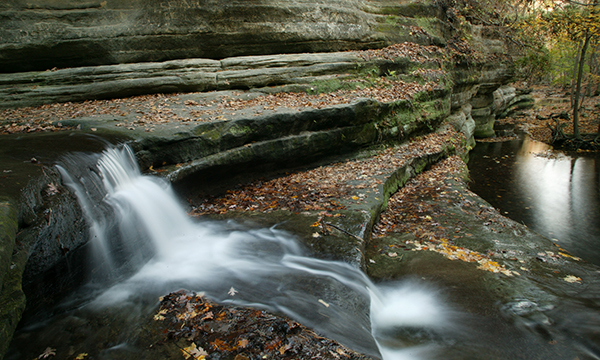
43 34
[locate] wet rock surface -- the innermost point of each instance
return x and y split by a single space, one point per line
525 280
238 333
517 286
338 103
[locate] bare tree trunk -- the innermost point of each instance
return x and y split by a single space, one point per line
575 67
580 66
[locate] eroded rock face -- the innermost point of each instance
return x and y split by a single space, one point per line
42 34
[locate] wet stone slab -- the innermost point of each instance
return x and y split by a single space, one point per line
517 286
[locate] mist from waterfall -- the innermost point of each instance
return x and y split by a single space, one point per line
146 243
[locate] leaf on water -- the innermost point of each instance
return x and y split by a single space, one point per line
324 303
355 198
81 356
569 256
392 254
47 353
572 279
194 352
232 291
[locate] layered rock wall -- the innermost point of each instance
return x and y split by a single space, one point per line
43 34
106 49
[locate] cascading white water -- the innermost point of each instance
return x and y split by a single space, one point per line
266 267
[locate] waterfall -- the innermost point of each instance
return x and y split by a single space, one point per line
140 229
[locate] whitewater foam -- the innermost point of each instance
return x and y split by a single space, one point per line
268 268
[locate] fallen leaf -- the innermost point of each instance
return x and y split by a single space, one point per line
284 348
194 352
160 315
232 291
572 279
47 353
316 235
52 189
209 315
341 352
81 356
569 256
243 343
221 345
324 303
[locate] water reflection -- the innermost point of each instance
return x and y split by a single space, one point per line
552 193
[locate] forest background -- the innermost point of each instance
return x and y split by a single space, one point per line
559 44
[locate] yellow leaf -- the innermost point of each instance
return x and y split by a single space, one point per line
81 356
159 316
355 198
569 256
194 352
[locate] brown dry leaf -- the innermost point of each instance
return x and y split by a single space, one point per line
341 352
221 345
272 345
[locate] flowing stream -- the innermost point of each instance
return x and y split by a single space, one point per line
147 246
